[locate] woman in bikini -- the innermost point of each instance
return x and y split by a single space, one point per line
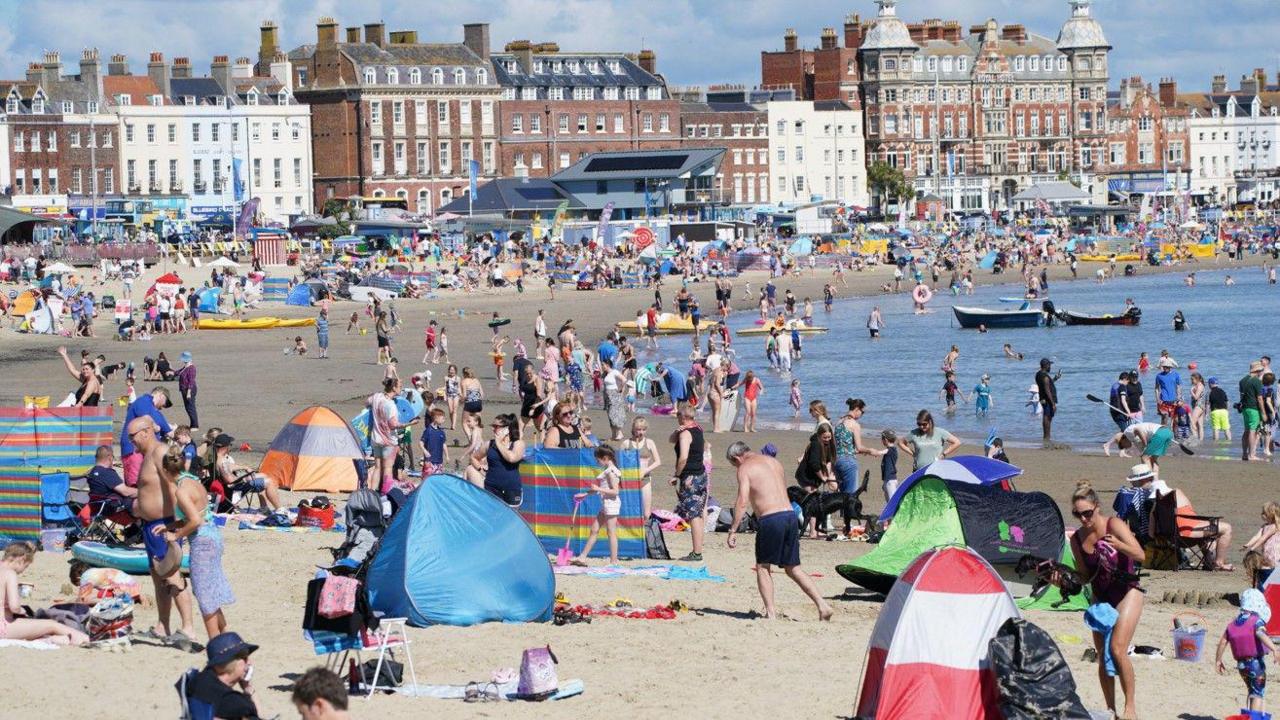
1106 554
14 622
650 461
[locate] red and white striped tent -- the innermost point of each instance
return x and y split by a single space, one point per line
269 246
928 654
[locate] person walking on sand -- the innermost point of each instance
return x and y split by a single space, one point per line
1047 387
690 478
761 484
322 333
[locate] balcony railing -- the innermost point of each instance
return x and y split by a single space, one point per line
698 196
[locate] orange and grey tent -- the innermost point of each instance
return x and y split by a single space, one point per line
316 451
24 304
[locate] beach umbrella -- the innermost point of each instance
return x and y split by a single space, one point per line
59 268
224 262
971 469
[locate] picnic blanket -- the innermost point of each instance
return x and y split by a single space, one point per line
568 689
660 572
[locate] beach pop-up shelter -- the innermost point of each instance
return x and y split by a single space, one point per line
315 450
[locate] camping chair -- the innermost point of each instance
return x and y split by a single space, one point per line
192 708
1164 529
55 500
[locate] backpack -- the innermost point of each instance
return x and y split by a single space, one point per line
654 542
725 521
538 679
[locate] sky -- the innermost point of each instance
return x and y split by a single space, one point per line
697 42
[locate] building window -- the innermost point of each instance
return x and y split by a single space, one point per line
465 154
442 112
398 156
611 93
437 76
423 158
370 76
255 132
297 172
444 161
415 76
459 76
564 160
486 116
75 181
582 123
377 158
799 153
486 156
275 131
537 161
664 123
517 123
277 179
424 201
1117 156
931 65
464 114
555 93
535 124
108 180
397 112
782 155
75 139
131 174
375 115
11 106
151 134
600 122
482 76
235 133
1019 64
564 124
1146 154
632 93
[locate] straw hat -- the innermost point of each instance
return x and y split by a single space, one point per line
1166 363
1141 472
1255 366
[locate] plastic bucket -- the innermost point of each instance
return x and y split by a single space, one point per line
1189 644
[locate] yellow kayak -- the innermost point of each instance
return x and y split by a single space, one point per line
800 328
1123 257
668 324
262 323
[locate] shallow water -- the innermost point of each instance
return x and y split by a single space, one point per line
899 374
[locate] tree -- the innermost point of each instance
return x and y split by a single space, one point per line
1064 176
336 209
888 183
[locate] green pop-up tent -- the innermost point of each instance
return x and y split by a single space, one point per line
1001 525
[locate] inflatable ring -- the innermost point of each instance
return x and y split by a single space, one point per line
922 294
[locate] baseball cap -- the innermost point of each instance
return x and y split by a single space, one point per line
226 647
1213 381
223 440
770 449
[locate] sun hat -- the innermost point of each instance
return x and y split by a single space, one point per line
185 356
1253 601
1255 366
226 647
1167 362
223 440
1140 473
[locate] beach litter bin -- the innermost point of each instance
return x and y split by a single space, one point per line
1188 638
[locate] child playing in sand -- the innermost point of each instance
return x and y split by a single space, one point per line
796 398
299 347
391 371
354 322
995 450
608 485
15 624
889 463
1250 644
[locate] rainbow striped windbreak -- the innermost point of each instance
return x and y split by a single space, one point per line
552 477
20 502
56 439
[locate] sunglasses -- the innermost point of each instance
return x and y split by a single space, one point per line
138 432
1083 514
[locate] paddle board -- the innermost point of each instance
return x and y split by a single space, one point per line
728 410
132 560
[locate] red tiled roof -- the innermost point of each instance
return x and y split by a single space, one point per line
138 87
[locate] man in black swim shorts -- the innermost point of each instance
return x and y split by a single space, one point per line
760 484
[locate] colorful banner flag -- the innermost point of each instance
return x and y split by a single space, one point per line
245 221
562 210
237 181
473 172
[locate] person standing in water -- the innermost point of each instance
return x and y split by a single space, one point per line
875 323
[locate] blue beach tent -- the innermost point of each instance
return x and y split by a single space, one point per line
299 295
457 555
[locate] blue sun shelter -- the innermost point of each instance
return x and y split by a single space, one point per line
457 555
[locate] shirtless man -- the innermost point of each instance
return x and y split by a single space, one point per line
760 483
154 506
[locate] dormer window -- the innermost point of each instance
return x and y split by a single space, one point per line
593 67
188 99
1019 64
393 76
251 98
511 66
482 76
123 99
1062 63
37 106
557 66
11 106
962 64
615 67
282 98
437 76
947 64
370 76
653 92
1034 63
302 77
157 100
415 76
574 67
459 76
67 106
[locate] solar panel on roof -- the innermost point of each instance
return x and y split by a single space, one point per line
636 162
538 193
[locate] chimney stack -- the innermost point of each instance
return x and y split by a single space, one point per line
119 65
789 40
476 37
523 50
1219 84
1249 84
158 71
373 33
268 46
34 71
404 37
242 68
648 62
282 70
1168 92
51 73
90 74
852 31
326 33
181 68
353 35
220 71
828 38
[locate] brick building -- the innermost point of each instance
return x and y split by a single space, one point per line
392 116
58 136
557 107
973 117
735 119
827 72
1148 143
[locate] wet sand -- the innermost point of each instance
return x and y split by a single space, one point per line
714 661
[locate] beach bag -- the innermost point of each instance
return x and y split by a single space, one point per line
338 596
309 516
72 615
1160 555
538 679
655 544
110 619
390 676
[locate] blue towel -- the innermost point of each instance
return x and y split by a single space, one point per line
1101 618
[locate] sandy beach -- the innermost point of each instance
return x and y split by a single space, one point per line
712 661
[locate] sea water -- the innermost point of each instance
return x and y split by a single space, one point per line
900 373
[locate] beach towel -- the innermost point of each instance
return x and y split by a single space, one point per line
660 572
246 525
33 645
507 691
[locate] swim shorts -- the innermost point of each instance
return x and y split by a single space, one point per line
157 547
1252 418
1166 408
132 465
1220 420
778 540
1048 410
1254 673
691 496
1159 443
384 451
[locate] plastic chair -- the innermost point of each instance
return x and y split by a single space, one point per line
55 505
192 708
